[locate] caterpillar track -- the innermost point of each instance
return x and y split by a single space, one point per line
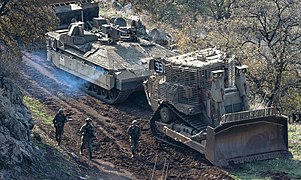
202 109
157 130
112 57
113 96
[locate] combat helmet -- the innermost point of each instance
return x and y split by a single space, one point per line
61 110
88 119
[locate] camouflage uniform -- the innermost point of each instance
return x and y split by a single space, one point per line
134 132
59 123
87 131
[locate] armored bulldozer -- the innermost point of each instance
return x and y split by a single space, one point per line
70 10
111 58
200 100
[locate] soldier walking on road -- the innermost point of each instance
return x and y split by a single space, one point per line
59 122
87 131
134 132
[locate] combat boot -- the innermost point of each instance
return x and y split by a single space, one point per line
133 154
90 155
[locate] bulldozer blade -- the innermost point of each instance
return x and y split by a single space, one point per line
247 140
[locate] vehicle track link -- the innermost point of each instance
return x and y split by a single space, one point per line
181 117
112 96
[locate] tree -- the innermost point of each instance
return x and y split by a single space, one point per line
220 9
23 23
176 12
266 35
275 29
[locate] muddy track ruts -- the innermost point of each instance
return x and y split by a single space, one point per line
41 80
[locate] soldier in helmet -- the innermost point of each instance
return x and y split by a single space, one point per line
59 122
134 132
87 131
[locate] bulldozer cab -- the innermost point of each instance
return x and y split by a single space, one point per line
203 103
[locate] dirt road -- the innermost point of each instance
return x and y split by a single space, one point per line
56 89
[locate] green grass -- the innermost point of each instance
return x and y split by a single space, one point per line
260 169
39 113
38 110
59 158
294 134
288 167
109 13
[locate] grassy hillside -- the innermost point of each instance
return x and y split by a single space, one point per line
55 162
275 168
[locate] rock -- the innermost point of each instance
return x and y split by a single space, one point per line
116 5
73 155
81 177
160 37
16 124
120 22
37 136
6 174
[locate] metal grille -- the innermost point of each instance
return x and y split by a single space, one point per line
168 92
231 70
188 95
185 79
205 74
155 91
181 75
205 77
239 116
189 81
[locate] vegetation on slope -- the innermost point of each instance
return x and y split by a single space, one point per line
263 34
54 162
23 24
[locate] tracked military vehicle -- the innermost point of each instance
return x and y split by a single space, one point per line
200 100
111 58
69 10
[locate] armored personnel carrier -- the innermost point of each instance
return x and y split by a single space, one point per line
112 57
69 10
200 99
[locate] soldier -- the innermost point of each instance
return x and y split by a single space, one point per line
87 131
299 117
134 132
294 117
59 122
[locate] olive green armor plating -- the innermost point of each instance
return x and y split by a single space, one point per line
200 100
112 58
68 10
